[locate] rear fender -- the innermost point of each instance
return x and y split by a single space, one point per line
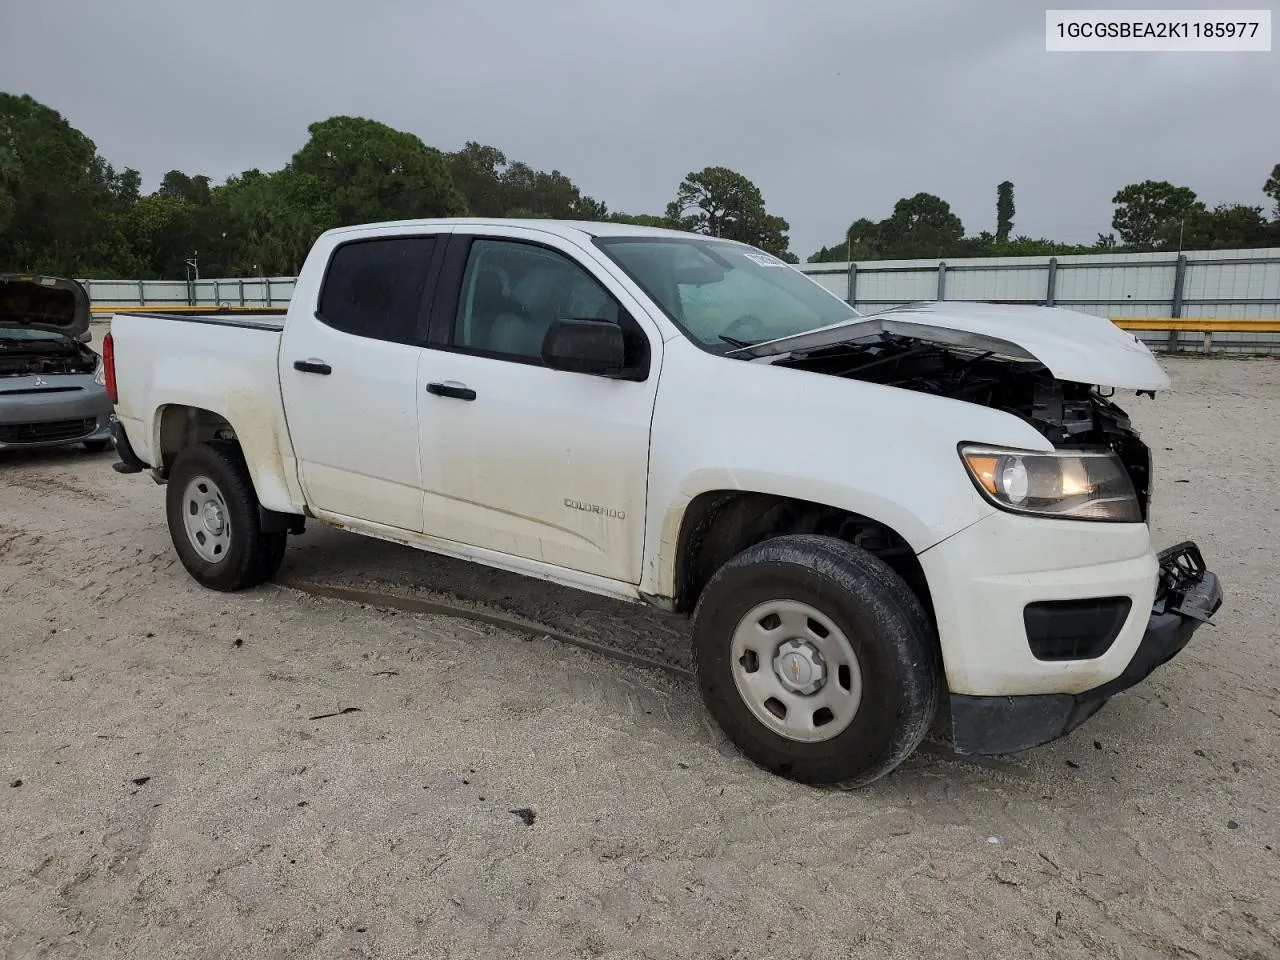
255 421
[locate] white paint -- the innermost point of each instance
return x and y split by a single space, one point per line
230 371
586 582
354 431
1073 346
983 577
497 471
496 480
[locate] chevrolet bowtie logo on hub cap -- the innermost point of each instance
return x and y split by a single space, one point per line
800 667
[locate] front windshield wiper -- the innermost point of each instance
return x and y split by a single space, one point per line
740 344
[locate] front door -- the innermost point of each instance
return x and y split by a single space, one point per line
519 458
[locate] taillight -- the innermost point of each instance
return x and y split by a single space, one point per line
109 364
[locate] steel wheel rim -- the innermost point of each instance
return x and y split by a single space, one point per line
206 519
796 671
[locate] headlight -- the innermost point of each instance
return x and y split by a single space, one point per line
100 375
1072 486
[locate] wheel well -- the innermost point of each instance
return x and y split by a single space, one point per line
721 524
181 426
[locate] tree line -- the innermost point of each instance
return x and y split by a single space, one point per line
65 210
1149 216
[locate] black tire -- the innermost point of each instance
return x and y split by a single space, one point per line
97 446
885 625
252 556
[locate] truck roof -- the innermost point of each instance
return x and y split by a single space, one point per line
570 229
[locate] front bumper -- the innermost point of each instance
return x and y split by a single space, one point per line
1187 595
62 410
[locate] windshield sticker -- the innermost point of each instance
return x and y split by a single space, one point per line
764 260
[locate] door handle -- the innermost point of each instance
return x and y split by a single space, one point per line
313 366
459 391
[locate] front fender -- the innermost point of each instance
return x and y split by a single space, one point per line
661 563
884 453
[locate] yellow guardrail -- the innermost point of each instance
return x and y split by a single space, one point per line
1197 324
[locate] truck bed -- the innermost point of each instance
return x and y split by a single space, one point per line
272 320
172 366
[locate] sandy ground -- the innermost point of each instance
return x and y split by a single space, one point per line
168 791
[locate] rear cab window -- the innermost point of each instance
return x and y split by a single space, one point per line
375 288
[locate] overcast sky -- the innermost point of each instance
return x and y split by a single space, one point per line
835 109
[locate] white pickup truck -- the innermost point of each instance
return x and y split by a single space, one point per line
874 521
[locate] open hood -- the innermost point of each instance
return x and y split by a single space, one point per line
1073 346
44 303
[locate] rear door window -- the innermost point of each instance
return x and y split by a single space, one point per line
375 288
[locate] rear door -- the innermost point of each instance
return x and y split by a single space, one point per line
518 458
348 373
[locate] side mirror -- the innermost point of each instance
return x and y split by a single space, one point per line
585 346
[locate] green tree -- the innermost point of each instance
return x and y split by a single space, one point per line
548 194
862 241
1272 189
370 172
58 199
1149 214
1004 211
721 202
495 187
163 232
265 224
1228 226
920 226
477 173
177 185
123 187
589 208
639 219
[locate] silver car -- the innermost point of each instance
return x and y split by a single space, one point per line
52 387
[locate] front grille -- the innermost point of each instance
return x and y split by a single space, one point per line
48 432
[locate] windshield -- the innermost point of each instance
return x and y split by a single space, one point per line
724 294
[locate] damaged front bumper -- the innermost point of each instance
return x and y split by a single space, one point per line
1187 596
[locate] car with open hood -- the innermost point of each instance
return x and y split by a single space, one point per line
932 517
52 391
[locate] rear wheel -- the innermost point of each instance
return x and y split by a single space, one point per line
816 659
214 520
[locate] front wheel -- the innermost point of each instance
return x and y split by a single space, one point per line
214 521
816 660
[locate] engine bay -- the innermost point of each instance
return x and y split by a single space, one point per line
1067 414
46 355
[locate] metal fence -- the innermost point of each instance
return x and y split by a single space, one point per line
1236 285
273 292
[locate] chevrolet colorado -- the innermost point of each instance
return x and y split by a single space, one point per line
935 511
